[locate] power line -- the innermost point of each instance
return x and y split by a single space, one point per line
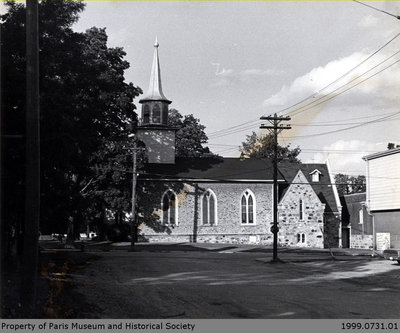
343 129
332 124
342 76
233 131
315 124
229 128
379 10
299 110
174 177
342 92
239 127
305 150
364 117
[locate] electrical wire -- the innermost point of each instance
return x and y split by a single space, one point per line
299 110
344 129
246 128
342 76
323 98
323 124
229 128
377 9
239 127
342 92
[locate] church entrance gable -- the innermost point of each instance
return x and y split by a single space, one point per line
301 215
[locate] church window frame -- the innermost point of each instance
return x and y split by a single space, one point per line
301 210
301 238
169 216
146 114
164 114
209 217
156 114
247 208
315 176
361 216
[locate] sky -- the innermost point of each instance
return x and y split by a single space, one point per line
230 62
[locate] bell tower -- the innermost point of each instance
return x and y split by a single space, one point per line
153 129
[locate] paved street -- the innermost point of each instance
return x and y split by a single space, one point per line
227 283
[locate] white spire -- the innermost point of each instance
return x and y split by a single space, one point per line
155 92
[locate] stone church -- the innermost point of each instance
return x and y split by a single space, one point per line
227 200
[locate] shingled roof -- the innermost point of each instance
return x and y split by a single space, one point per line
227 169
213 169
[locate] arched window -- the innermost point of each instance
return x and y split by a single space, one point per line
156 114
248 207
146 114
169 206
209 208
301 210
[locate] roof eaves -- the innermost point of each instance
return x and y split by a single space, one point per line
381 154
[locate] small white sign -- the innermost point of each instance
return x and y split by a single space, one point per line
382 241
253 239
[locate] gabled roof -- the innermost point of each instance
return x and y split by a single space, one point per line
315 171
214 169
353 198
227 169
323 188
299 177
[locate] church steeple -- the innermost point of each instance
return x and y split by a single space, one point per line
155 93
154 103
154 131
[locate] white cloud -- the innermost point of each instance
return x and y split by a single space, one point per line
221 72
229 76
315 82
345 156
260 72
368 22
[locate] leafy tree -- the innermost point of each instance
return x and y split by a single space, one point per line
350 184
263 147
85 108
190 138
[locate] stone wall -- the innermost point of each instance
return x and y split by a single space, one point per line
361 241
291 226
316 229
228 227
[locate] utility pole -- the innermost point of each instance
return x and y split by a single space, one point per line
275 128
2 224
135 149
134 182
32 182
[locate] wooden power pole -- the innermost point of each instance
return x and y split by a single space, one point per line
32 181
134 182
275 128
134 226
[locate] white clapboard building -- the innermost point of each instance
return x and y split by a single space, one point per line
383 197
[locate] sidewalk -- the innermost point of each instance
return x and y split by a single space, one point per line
284 253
